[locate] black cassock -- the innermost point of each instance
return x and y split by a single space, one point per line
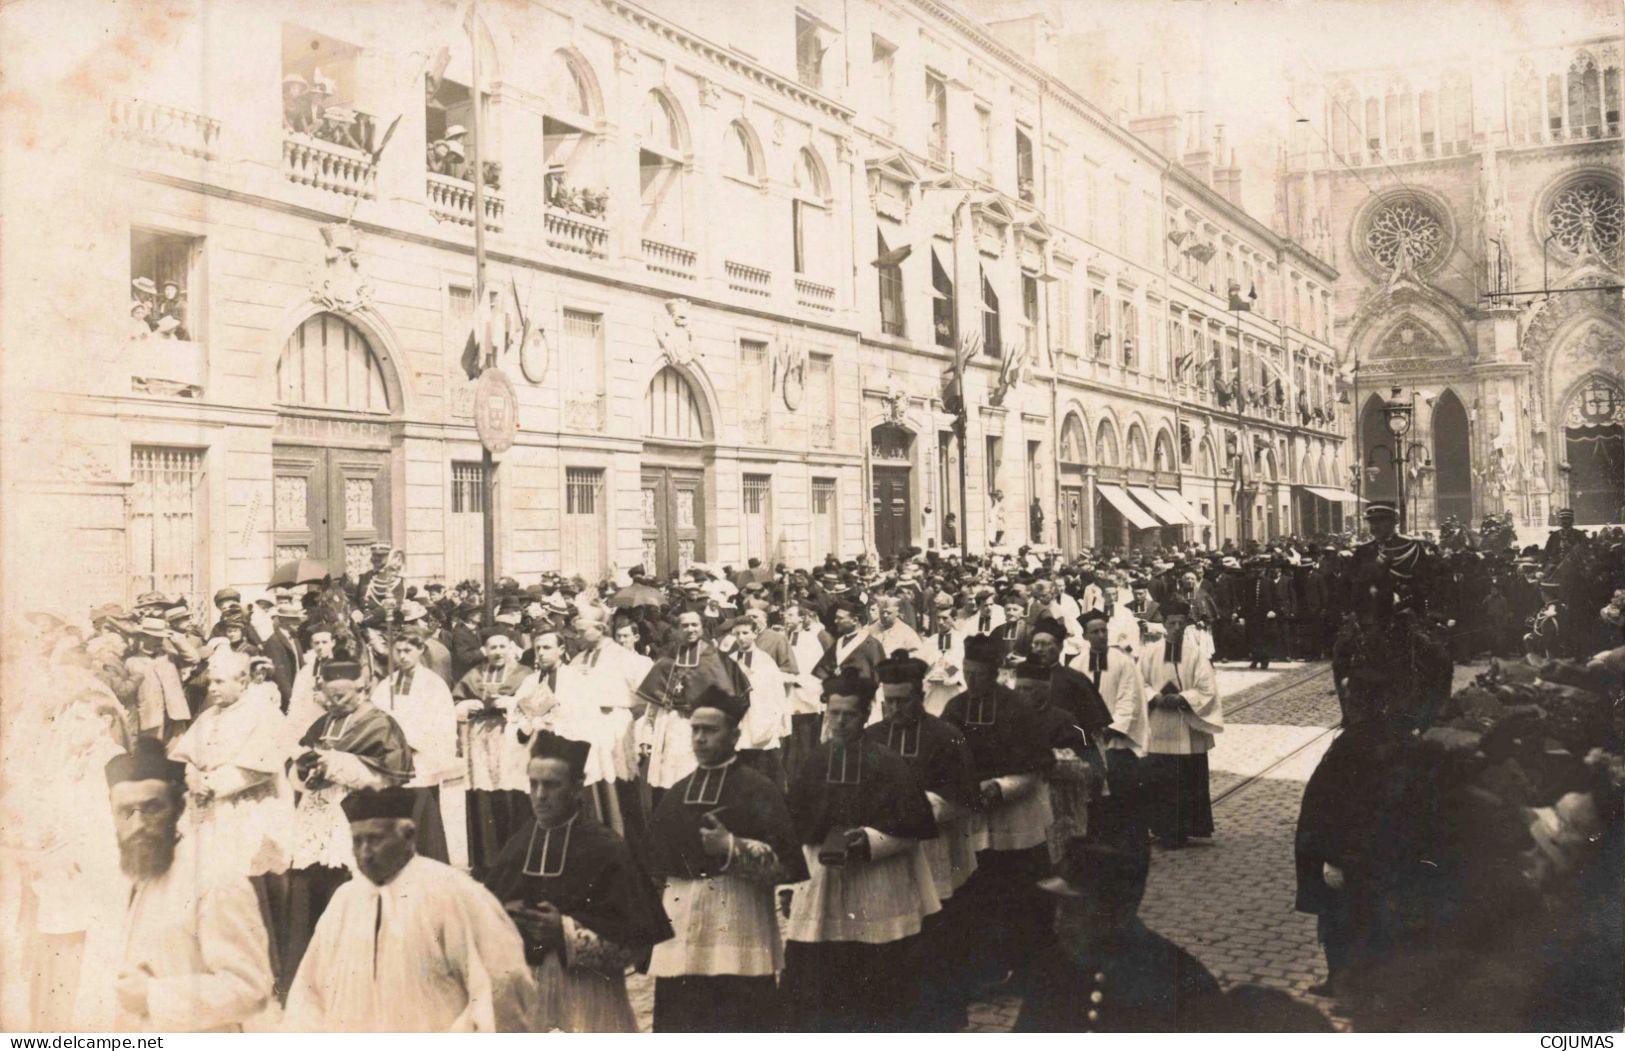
590 875
847 986
750 806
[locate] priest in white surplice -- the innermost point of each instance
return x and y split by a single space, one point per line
420 701
186 947
1184 713
412 945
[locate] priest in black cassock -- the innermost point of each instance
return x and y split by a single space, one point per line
942 763
1011 754
583 905
861 816
721 839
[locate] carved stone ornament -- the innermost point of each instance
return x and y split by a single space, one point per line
896 401
339 285
672 333
710 94
626 57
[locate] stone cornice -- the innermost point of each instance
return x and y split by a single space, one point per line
731 61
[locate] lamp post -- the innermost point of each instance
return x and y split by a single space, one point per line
1398 416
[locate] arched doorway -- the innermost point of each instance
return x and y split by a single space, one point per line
891 450
677 438
1375 444
1594 448
1452 460
330 457
1073 451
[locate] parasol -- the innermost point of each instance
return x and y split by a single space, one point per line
300 571
634 595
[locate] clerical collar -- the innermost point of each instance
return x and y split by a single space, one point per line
945 641
984 709
336 725
688 655
904 738
1098 659
845 765
705 784
550 860
403 680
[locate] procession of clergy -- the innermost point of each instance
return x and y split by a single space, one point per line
816 825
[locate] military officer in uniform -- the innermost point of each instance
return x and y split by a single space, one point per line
1564 538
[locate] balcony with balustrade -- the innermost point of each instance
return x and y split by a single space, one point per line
173 368
815 295
749 280
161 129
329 166
671 260
452 200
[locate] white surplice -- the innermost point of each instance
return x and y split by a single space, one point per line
1181 732
430 951
238 751
198 933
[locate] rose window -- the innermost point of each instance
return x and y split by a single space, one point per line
1586 219
1404 236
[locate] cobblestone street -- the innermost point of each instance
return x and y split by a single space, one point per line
1229 901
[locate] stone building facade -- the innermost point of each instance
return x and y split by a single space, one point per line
733 252
1473 210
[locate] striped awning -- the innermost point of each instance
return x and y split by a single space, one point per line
1177 499
1137 516
1336 496
1157 505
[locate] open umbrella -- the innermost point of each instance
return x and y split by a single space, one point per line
300 571
634 595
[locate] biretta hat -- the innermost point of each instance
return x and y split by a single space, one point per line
145 761
549 745
374 803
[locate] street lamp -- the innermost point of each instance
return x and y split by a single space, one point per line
1398 415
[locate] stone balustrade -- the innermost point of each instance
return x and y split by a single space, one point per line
575 233
751 280
165 128
814 295
338 169
452 200
669 259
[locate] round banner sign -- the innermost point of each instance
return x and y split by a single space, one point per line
496 411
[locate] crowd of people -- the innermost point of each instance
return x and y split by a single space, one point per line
841 798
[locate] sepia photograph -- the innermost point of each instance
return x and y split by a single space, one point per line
812 516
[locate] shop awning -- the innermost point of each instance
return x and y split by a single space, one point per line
1125 505
1157 506
1336 496
1177 499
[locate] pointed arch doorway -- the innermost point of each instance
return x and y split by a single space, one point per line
677 445
1452 461
1594 447
331 453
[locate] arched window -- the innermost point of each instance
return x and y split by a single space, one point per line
1427 120
567 88
1585 95
574 180
1462 90
1525 96
671 410
1072 445
1554 105
1373 124
662 169
739 154
1106 453
328 364
1138 456
1392 137
809 214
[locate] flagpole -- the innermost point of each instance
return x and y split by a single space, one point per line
481 305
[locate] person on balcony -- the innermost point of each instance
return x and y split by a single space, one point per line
299 110
170 313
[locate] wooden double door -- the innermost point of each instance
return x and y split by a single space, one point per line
893 516
673 514
329 504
